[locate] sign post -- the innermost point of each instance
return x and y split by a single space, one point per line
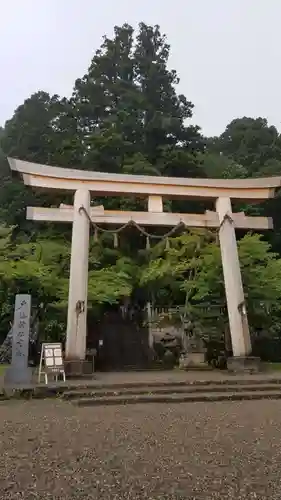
51 362
19 372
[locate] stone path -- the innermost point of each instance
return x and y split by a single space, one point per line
52 450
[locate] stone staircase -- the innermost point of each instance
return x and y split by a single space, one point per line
171 392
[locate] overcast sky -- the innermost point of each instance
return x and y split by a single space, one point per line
226 52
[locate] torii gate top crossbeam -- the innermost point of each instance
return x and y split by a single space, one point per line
47 177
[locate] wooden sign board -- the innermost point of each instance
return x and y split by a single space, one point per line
51 361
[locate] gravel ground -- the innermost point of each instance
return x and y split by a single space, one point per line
51 449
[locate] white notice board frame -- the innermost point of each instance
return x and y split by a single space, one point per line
51 361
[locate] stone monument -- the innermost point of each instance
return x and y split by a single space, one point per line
19 371
194 355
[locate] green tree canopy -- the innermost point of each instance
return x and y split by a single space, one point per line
191 270
251 142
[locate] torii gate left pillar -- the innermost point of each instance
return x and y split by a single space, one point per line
75 347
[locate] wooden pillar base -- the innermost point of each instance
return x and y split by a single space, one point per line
248 364
78 369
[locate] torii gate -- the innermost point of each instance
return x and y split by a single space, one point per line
82 183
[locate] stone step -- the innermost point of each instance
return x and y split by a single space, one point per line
171 390
131 399
99 384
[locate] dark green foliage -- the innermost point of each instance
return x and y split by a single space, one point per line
250 142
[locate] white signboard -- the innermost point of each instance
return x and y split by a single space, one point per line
51 361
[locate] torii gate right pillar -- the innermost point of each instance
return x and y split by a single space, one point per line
237 313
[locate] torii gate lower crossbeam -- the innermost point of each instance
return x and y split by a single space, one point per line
81 182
